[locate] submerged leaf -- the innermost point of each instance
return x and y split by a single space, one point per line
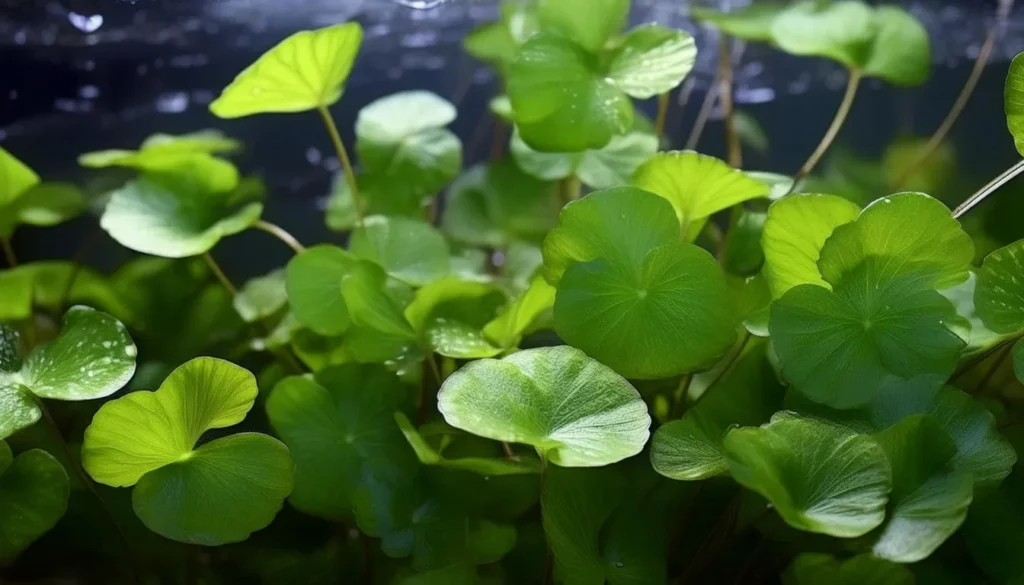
820 477
652 60
589 23
752 22
305 71
999 294
1013 100
409 250
313 284
211 494
573 410
262 296
611 166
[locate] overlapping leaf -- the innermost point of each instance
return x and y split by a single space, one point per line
33 497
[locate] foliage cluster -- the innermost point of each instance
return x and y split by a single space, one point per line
588 360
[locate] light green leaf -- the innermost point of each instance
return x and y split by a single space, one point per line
496 204
15 178
1013 100
751 133
962 296
819 568
93 357
691 448
842 347
451 314
883 41
929 496
696 185
161 215
162 152
820 477
562 101
752 22
305 71
794 233
313 284
589 23
907 235
496 43
43 205
619 225
402 137
506 330
614 310
409 250
611 166
263 296
34 494
999 294
651 60
335 425
211 494
536 397
487 467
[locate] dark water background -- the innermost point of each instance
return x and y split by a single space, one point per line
85 75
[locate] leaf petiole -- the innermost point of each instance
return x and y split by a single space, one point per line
346 163
279 233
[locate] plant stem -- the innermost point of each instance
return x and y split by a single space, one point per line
12 260
679 399
980 358
961 100
219 274
279 233
996 363
86 481
703 114
432 363
725 370
732 139
572 188
659 121
833 129
78 261
988 189
346 163
498 140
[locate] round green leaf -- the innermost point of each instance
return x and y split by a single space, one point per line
573 410
487 467
842 347
211 494
697 185
313 284
752 22
652 60
93 357
794 233
44 205
962 296
15 178
369 305
907 235
615 311
618 225
34 494
161 147
1013 100
305 71
263 296
884 41
820 477
589 23
929 497
409 250
562 101
402 137
519 316
497 203
162 216
222 492
611 166
818 568
999 293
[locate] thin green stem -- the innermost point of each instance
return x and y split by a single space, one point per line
725 370
833 130
662 117
78 262
679 398
961 100
996 363
703 114
12 259
219 274
346 163
573 188
988 189
981 357
279 233
87 482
